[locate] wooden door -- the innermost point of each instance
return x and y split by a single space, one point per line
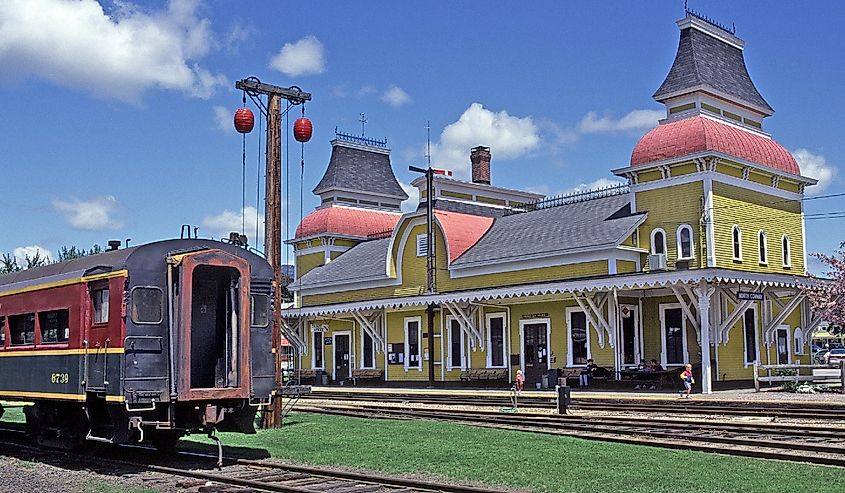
535 351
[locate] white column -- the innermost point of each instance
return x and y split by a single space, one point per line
704 292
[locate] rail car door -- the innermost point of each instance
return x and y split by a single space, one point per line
535 352
97 339
342 357
213 326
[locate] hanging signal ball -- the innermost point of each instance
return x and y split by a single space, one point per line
302 129
244 120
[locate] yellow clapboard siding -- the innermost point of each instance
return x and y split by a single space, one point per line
668 208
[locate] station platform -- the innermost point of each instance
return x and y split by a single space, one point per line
735 395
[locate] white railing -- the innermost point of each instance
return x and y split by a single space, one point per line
825 374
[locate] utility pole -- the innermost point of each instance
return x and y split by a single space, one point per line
273 209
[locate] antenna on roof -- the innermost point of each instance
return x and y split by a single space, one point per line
428 141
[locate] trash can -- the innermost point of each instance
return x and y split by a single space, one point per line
324 378
545 381
553 375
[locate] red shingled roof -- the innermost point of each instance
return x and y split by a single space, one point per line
347 221
462 231
698 134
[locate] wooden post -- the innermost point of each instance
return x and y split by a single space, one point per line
272 239
842 375
756 377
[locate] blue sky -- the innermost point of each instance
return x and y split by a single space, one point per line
117 115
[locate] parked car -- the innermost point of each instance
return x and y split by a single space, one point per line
835 356
820 357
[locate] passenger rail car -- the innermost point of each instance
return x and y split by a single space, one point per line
149 342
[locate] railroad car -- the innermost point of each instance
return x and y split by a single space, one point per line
144 343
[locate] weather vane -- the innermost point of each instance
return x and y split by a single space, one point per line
363 121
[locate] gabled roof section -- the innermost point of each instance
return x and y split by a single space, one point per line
590 224
711 58
360 167
346 221
462 231
364 261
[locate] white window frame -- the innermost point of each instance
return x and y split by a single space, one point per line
409 320
322 349
736 244
638 335
449 366
788 344
745 364
422 245
490 317
363 335
798 341
786 250
691 242
101 316
663 360
569 356
762 253
654 250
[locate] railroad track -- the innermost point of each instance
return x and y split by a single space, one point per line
237 474
811 444
686 406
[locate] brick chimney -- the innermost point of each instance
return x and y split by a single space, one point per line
480 159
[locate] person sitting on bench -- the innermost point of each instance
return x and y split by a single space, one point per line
586 373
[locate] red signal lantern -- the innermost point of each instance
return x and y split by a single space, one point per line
302 129
244 120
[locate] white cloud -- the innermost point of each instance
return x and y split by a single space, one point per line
228 221
21 253
815 166
413 200
395 96
593 185
366 90
304 57
224 119
116 55
635 120
507 136
91 215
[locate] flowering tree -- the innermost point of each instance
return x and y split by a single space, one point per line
828 298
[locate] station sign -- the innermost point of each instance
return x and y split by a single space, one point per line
749 296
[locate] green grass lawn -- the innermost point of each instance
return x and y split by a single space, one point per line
523 460
527 460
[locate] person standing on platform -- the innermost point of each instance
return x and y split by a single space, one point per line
686 377
520 381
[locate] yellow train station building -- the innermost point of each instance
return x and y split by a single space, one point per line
699 257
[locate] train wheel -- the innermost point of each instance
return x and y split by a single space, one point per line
57 425
165 440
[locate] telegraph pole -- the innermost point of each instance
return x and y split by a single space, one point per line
273 209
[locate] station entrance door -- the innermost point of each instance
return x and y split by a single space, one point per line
535 352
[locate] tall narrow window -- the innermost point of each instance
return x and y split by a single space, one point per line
674 336
413 357
750 331
100 299
456 344
736 235
317 354
783 343
684 241
658 241
579 338
496 341
367 353
787 261
761 242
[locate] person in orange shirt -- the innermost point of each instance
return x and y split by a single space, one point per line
520 381
686 377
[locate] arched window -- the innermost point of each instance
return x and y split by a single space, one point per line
787 261
684 241
736 235
761 243
658 241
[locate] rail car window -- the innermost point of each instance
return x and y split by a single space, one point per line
2 331
260 310
54 326
22 329
100 298
147 305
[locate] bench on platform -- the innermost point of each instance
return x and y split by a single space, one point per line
308 374
477 374
572 376
366 374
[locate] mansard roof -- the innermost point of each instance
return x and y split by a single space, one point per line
709 58
362 168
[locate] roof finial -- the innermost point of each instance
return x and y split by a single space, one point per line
363 121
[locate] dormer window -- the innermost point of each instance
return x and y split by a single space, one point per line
761 242
684 242
658 241
736 236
